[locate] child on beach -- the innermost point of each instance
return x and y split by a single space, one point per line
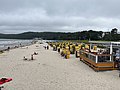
35 53
24 58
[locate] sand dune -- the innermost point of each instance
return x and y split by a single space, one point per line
50 71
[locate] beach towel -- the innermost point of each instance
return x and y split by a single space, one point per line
5 80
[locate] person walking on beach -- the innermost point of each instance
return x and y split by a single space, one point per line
8 48
32 57
47 47
117 58
119 66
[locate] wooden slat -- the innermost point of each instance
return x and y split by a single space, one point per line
105 64
103 54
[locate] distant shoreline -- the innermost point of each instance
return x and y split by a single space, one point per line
6 44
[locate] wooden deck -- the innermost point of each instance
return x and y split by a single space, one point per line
100 66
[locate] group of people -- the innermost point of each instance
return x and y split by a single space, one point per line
103 51
46 47
103 58
32 56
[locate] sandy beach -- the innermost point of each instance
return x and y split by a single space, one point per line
50 71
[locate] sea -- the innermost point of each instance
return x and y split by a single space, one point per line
5 43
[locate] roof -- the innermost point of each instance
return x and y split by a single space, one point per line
108 43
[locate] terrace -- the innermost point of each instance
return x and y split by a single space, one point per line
101 58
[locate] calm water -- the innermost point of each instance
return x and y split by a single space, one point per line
5 43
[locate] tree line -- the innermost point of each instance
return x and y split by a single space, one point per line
83 35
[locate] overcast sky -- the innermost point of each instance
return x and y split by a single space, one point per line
18 16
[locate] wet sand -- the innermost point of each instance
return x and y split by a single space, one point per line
50 71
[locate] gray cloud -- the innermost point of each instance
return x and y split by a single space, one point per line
55 15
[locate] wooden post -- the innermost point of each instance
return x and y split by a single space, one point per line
90 46
96 59
111 51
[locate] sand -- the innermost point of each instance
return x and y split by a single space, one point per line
50 71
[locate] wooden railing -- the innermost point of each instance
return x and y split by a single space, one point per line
97 57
